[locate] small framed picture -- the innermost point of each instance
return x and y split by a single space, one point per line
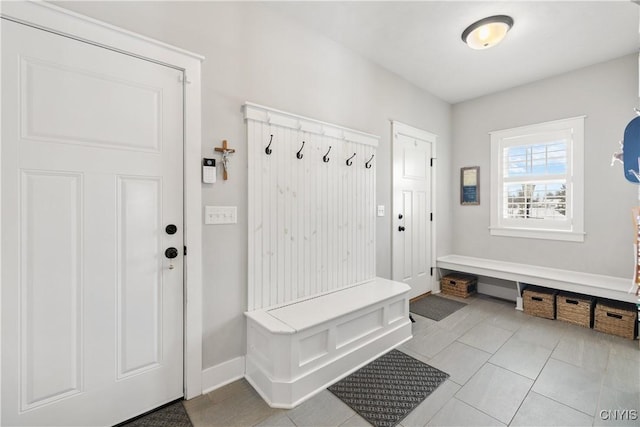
470 185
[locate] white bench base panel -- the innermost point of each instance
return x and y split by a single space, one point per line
615 288
297 350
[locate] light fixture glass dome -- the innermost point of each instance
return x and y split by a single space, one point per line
487 32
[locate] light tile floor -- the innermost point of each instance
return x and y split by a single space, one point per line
506 368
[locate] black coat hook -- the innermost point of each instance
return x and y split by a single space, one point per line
268 149
299 154
349 162
368 164
325 158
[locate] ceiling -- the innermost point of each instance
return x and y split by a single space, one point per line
421 42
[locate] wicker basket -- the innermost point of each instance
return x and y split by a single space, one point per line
539 302
575 308
616 318
459 285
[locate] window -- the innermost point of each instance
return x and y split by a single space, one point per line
537 181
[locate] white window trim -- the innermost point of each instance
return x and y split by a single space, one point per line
576 233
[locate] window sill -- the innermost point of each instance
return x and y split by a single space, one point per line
567 236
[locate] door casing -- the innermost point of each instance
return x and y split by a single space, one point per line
398 128
61 21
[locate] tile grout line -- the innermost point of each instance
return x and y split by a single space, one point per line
551 398
602 381
521 403
477 409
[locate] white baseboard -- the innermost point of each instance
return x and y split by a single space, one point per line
222 374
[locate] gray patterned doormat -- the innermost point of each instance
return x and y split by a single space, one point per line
435 307
387 389
170 415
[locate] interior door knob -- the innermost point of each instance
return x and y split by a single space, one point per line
171 253
171 229
401 228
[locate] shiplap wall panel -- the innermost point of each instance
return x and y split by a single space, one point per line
311 223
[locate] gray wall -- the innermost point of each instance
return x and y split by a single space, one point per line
606 93
254 54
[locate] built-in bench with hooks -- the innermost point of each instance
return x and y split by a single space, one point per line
316 310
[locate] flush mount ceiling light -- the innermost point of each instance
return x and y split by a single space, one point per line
487 32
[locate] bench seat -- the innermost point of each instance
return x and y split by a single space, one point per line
615 288
298 349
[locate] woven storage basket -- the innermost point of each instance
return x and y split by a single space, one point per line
575 308
539 302
459 285
616 318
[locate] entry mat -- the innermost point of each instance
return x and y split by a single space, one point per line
435 307
171 415
389 388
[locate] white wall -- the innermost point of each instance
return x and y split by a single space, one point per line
254 54
606 93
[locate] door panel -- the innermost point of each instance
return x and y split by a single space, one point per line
92 170
139 301
412 208
415 160
421 226
51 283
407 238
55 96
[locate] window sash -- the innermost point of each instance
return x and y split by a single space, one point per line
550 217
529 205
547 149
543 158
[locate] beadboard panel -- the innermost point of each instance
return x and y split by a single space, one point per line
311 222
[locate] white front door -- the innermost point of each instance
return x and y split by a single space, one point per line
412 236
92 149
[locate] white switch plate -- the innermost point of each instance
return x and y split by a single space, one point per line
380 210
220 215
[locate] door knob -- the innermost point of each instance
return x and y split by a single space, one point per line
400 216
401 228
171 229
171 253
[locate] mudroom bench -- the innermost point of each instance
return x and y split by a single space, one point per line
297 349
614 288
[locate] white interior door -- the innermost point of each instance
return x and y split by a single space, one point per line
92 149
412 236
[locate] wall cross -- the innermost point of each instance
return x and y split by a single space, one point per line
225 157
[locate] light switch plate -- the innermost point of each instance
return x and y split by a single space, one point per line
214 215
380 210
